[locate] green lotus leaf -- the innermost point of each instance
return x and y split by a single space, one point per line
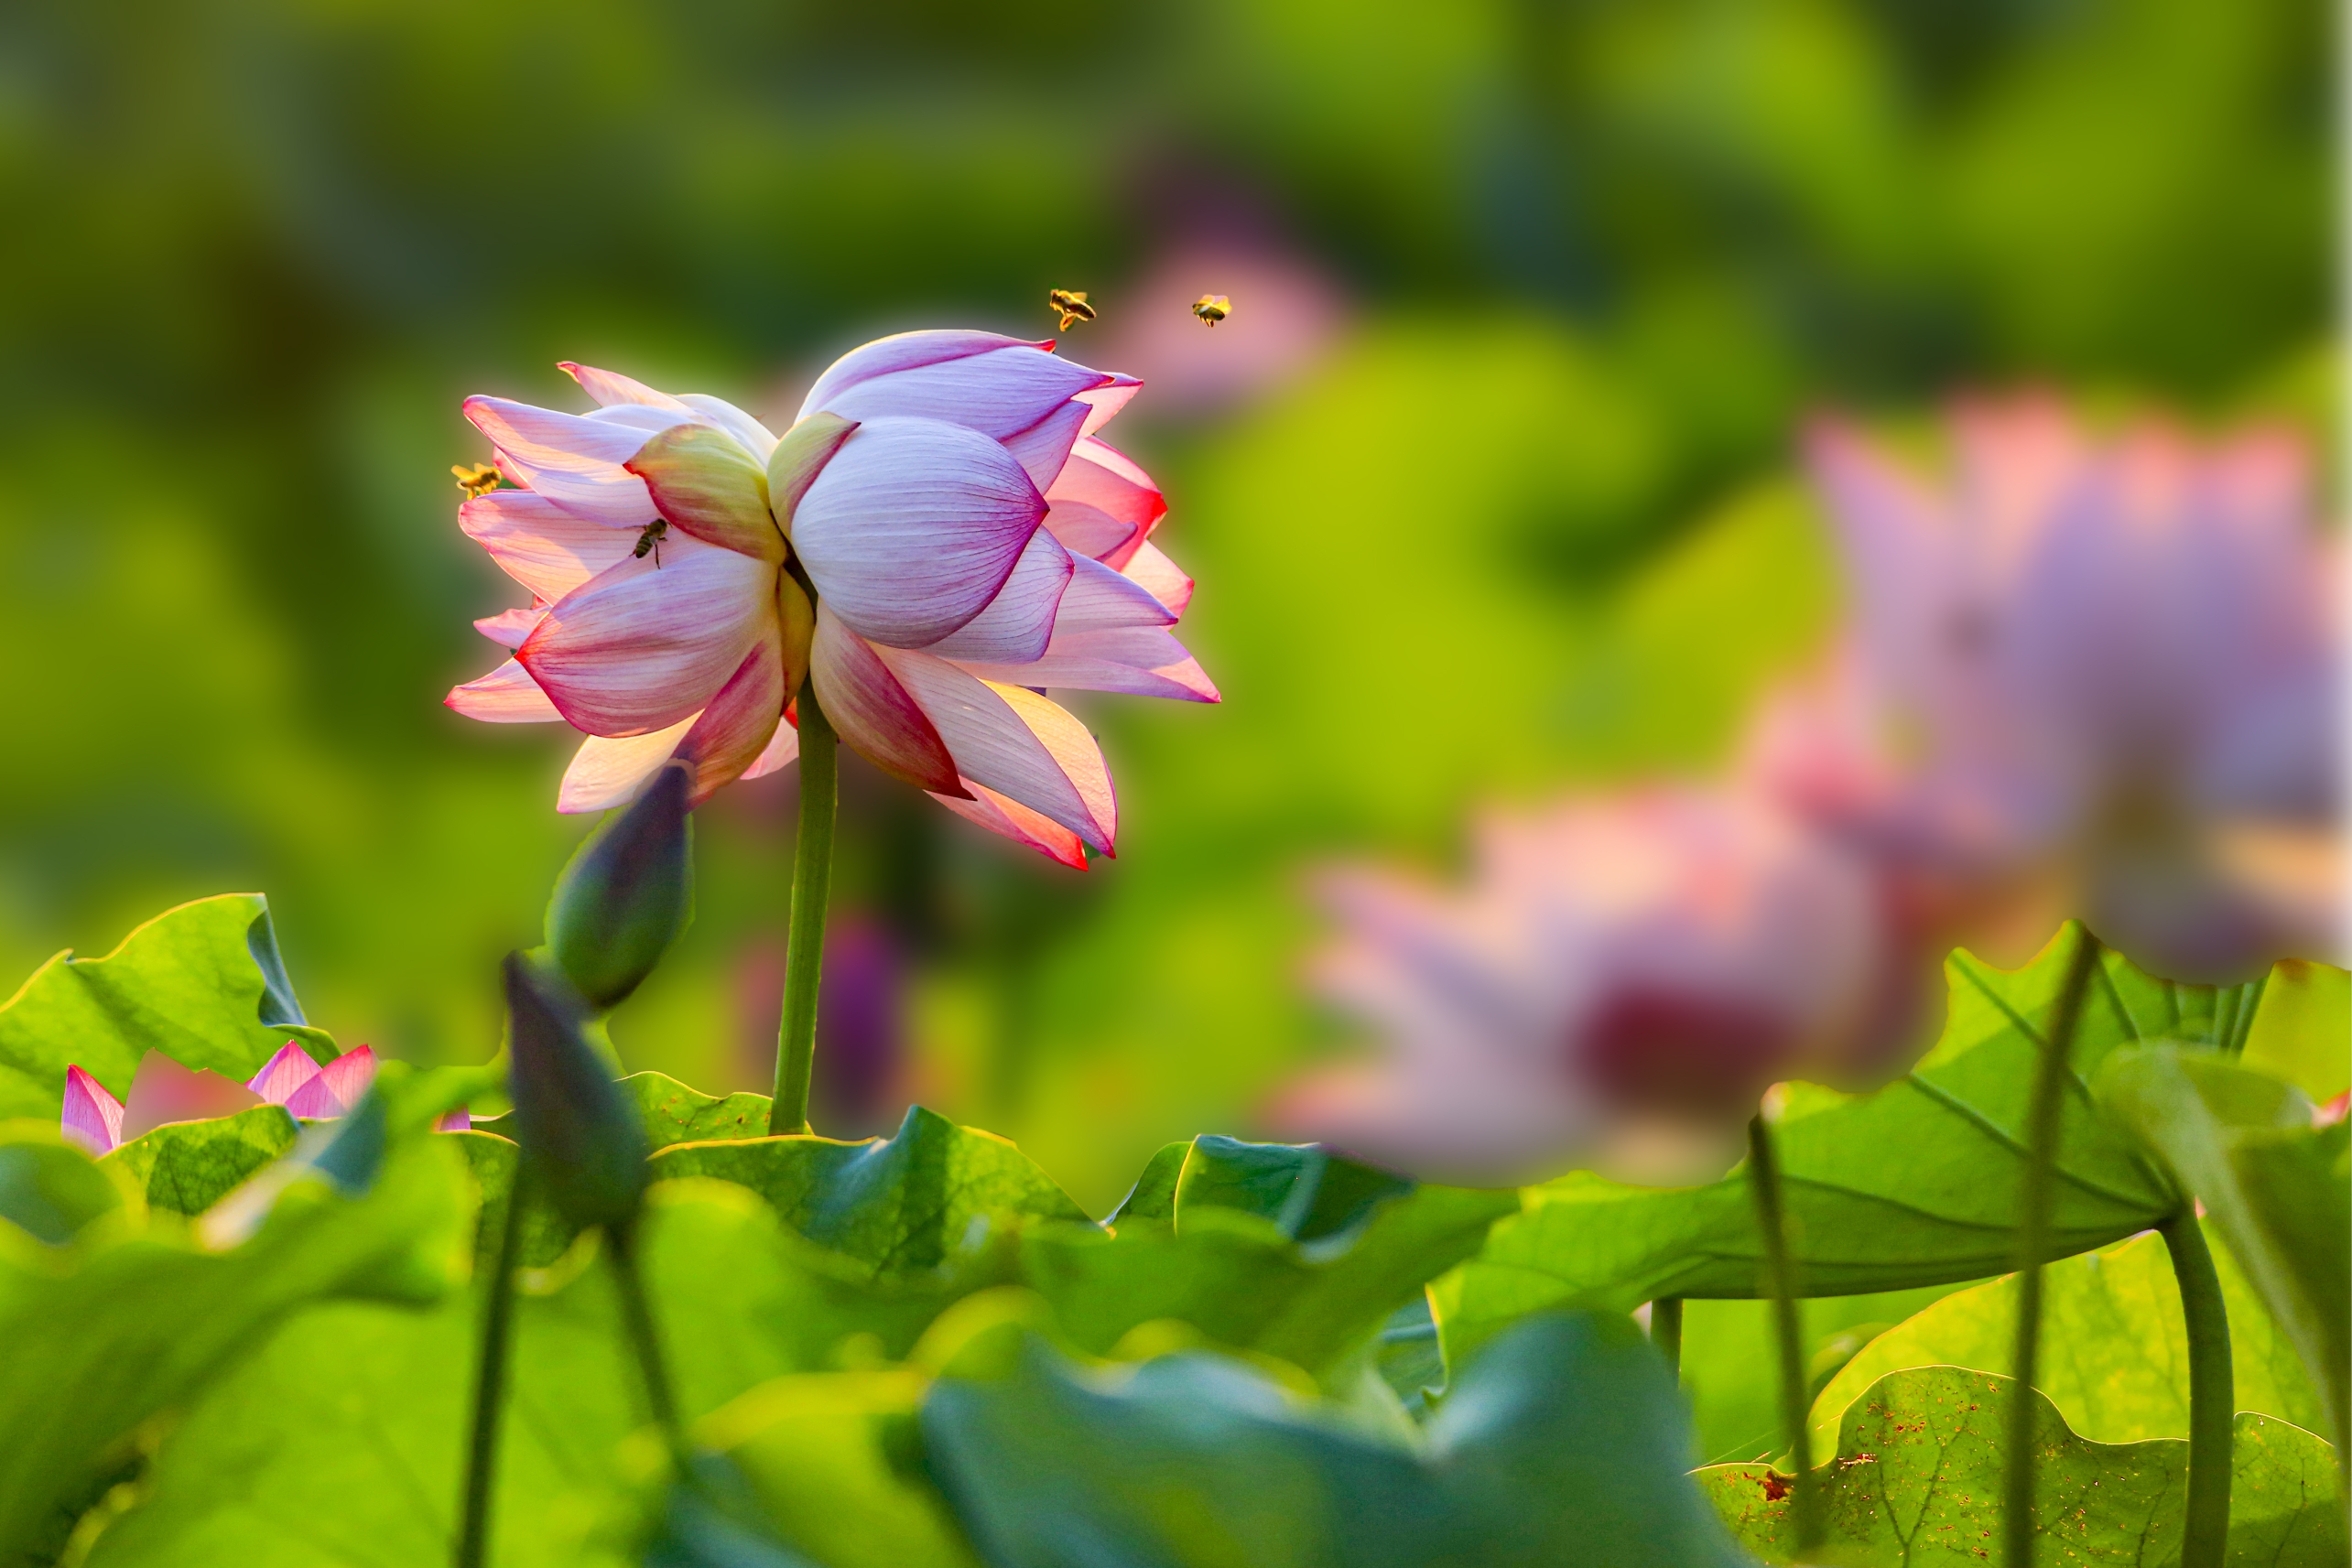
1564 1442
186 1167
1913 1185
202 983
1917 1483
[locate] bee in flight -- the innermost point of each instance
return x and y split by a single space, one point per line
651 539
1213 309
1071 303
476 479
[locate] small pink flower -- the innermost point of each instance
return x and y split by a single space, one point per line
2117 652
1652 959
966 537
163 1091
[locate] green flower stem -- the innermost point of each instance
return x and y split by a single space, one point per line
804 953
2033 1199
637 1323
1780 1285
490 1385
2211 1390
1666 1330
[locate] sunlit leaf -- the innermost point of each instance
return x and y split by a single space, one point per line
1913 1185
2114 1350
1916 1482
1562 1443
49 1190
2279 1190
202 983
186 1167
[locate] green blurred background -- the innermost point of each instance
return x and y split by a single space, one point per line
1486 483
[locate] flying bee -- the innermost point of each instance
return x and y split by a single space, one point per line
1213 309
1071 303
476 479
651 539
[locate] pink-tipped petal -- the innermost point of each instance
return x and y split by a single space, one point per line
283 1073
1044 447
609 772
999 391
1101 600
875 714
913 527
1104 403
1161 577
163 1091
547 550
93 1119
1010 819
1015 742
573 459
783 751
511 628
1139 661
1020 621
704 482
905 351
1100 476
337 1088
507 695
1087 531
644 644
609 388
756 437
458 1120
735 730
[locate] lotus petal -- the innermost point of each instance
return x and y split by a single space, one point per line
1002 815
783 751
994 385
703 480
1020 621
163 1091
735 730
609 388
93 1119
540 544
1015 742
641 646
507 695
283 1073
1044 447
875 714
606 771
573 459
337 1088
1161 577
1139 661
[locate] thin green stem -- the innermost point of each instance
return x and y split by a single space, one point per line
804 953
1666 1330
2033 1202
637 1323
490 1385
1781 1286
2211 1390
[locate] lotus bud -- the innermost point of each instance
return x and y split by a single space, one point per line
627 893
581 1139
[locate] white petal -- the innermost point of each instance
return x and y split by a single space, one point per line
1020 621
609 772
1015 742
540 544
507 695
642 645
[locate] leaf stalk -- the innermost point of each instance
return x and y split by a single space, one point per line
2211 1390
490 1385
1780 1285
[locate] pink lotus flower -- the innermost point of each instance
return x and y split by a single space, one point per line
1617 967
2117 655
939 534
163 1091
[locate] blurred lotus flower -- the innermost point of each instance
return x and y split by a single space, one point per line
1615 966
579 1132
2105 666
163 1091
937 534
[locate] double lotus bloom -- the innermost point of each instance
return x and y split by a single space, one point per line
162 1091
937 539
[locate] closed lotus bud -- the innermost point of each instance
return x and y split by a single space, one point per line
627 893
581 1140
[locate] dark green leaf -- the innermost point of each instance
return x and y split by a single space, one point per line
931 1194
2114 1349
1913 1185
1916 1482
1564 1442
2279 1190
51 1191
202 983
186 1167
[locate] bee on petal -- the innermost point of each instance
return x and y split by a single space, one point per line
651 539
1213 309
476 478
1071 303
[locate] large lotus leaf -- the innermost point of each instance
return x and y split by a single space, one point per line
1916 1482
202 983
829 1457
49 1190
930 1195
341 1441
2303 1032
1308 1192
1244 1283
123 1324
675 1113
2278 1189
1913 1185
2115 1350
186 1167
1562 1443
